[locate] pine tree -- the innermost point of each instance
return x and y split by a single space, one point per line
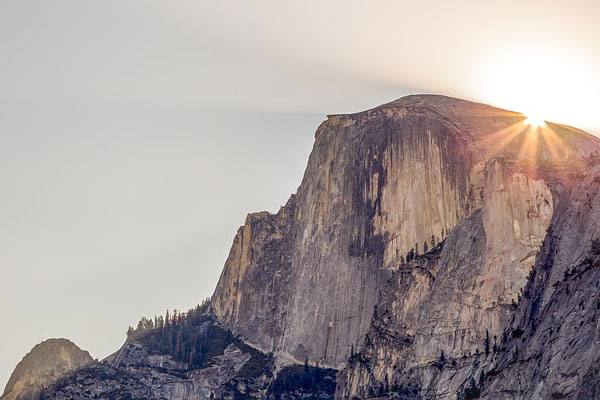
425 248
306 377
192 356
487 342
495 348
410 256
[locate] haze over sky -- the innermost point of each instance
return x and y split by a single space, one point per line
136 135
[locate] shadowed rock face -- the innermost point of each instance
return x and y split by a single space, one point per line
304 283
42 366
556 351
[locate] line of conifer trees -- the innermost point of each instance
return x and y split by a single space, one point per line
184 336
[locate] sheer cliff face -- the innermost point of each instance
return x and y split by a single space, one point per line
304 282
42 366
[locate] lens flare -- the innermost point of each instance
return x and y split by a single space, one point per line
535 122
531 138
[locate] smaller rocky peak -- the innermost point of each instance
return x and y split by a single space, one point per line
42 366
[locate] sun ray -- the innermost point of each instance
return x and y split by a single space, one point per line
553 142
529 139
529 148
500 140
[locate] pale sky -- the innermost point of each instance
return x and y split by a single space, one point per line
136 135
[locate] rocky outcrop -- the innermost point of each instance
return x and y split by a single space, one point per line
230 369
133 373
42 366
303 283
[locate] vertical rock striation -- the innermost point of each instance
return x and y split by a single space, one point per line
442 305
363 202
553 344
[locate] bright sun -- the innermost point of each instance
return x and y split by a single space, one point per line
535 122
537 80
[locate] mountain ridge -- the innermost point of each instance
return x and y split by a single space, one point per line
427 235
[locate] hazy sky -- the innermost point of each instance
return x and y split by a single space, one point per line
136 135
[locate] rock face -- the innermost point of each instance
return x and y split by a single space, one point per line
553 346
327 277
363 201
42 366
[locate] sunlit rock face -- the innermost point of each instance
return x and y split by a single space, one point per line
42 366
327 275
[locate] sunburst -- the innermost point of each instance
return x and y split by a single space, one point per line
535 122
530 139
